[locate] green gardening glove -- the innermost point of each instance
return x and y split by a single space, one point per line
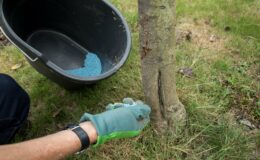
121 120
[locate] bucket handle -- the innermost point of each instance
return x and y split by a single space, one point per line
26 55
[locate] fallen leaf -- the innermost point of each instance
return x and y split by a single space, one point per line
188 72
247 123
17 66
212 38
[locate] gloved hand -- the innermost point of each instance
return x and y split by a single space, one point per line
121 120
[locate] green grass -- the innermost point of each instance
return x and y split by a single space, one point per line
242 16
224 82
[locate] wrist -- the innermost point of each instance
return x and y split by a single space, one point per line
89 128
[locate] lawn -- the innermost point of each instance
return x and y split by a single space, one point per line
218 74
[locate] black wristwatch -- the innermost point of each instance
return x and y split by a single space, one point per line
83 136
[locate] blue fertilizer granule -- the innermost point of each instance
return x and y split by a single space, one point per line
92 67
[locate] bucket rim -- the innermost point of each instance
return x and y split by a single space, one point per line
22 45
116 67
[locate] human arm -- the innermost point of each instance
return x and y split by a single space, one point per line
53 147
121 120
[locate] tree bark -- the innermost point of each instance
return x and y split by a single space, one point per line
157 40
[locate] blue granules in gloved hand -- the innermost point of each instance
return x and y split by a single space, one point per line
92 67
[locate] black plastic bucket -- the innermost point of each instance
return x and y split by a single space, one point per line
56 35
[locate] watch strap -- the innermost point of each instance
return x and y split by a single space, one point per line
83 136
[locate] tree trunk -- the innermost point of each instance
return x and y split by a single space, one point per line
157 40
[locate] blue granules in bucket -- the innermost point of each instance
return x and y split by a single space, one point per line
92 67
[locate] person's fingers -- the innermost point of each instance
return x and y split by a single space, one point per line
118 105
140 111
146 110
142 124
139 102
109 107
114 106
129 101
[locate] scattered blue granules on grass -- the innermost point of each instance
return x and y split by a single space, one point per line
92 67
